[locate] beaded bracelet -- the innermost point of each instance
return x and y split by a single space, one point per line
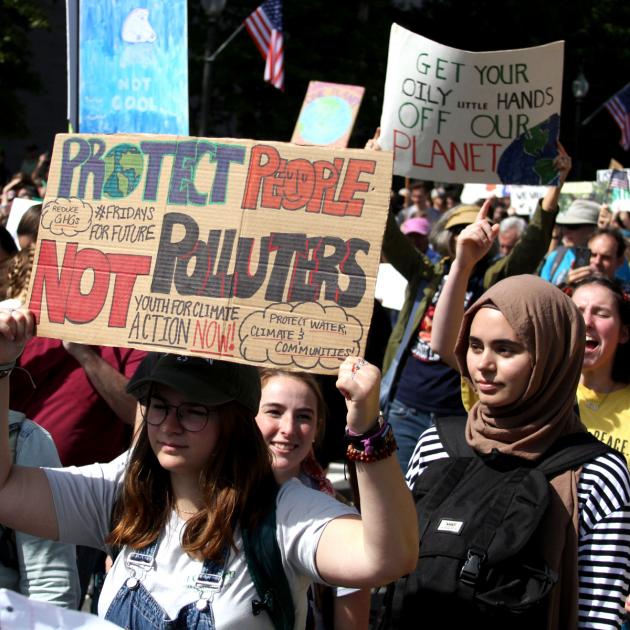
374 448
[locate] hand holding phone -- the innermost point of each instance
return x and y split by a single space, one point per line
582 257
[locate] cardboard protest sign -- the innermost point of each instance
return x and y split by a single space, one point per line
328 114
133 66
250 251
451 115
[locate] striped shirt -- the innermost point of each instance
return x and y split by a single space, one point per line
604 541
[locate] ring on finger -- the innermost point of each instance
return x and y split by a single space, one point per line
357 366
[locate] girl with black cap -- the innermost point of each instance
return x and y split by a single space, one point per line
196 480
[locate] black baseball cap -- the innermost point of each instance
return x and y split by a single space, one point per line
206 381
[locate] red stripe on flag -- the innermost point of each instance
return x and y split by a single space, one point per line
259 28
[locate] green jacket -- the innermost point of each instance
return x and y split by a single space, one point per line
414 266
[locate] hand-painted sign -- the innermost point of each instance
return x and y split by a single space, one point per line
481 117
133 66
328 114
251 251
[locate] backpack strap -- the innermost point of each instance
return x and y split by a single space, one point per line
264 563
571 451
480 543
451 432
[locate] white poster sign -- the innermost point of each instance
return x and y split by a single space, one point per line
451 115
524 199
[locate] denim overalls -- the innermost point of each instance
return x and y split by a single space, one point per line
133 607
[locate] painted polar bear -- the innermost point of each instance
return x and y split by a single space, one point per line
137 29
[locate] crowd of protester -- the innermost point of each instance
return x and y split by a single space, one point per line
134 483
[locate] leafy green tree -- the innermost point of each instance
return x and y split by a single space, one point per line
17 19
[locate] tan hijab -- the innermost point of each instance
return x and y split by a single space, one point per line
552 329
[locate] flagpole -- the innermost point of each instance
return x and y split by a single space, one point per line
213 56
599 109
207 74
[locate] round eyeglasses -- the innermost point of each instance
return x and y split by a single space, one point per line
192 417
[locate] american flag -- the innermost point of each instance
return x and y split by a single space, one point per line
618 179
619 108
265 27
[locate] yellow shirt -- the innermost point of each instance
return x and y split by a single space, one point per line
607 416
469 395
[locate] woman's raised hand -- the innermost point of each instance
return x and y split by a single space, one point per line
372 143
476 239
359 382
562 163
16 328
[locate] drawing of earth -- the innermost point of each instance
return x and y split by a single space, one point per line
325 119
123 170
529 158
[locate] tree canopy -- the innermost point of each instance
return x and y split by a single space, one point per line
17 19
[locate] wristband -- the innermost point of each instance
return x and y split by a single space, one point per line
377 428
373 449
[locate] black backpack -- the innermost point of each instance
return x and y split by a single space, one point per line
479 561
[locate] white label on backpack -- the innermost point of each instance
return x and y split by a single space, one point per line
450 526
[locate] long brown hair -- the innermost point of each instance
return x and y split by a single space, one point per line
237 486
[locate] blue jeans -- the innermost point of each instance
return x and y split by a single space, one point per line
408 424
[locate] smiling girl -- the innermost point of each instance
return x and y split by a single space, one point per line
291 419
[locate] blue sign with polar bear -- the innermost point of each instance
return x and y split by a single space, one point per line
133 66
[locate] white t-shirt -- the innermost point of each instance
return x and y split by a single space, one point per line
84 498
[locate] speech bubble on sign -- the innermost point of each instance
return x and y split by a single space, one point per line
66 217
305 335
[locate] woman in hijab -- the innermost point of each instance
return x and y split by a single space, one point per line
520 347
